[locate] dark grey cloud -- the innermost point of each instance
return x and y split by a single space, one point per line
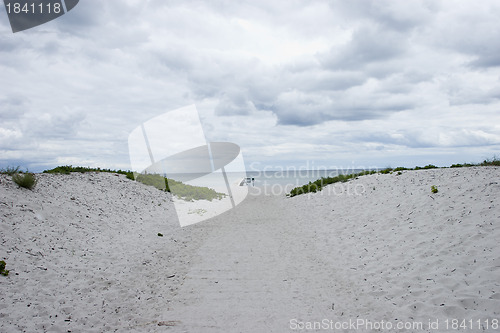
369 44
490 58
295 108
336 80
54 126
423 138
392 15
12 107
7 43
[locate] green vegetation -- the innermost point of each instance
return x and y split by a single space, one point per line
320 183
199 211
465 165
430 166
3 271
391 170
10 171
190 192
154 180
184 191
386 171
495 161
160 234
67 169
26 180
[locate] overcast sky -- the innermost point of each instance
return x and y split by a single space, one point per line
294 83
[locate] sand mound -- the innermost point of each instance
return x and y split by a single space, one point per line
84 253
400 253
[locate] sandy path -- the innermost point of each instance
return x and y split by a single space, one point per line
256 270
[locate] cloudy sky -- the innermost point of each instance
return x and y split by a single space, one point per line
294 83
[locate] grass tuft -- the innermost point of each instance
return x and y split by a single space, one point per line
495 161
3 271
25 180
154 180
10 170
386 171
67 169
190 192
318 185
430 166
183 191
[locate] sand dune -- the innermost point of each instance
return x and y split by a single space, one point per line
84 256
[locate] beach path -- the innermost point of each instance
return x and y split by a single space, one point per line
256 270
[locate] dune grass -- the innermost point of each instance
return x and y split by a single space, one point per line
22 179
10 170
3 271
495 161
67 169
25 180
183 191
154 180
190 192
318 185
322 182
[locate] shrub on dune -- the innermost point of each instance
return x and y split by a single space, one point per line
429 166
67 169
26 180
154 180
495 161
3 271
386 171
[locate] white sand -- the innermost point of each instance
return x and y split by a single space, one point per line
84 256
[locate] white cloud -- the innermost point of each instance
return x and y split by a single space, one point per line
288 81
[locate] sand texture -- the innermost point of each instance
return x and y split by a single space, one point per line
84 256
